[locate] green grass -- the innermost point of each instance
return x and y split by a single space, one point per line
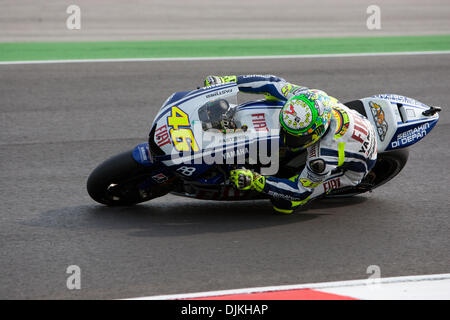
218 48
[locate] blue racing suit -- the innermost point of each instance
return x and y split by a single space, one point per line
349 145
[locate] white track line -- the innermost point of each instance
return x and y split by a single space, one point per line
337 55
422 290
323 285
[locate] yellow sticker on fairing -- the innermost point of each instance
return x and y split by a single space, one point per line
183 138
178 118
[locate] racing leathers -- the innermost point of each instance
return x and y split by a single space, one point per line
342 157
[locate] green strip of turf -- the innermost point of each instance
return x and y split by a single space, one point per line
218 48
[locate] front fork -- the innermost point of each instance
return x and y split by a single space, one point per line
156 180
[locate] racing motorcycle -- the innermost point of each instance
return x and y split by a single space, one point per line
182 141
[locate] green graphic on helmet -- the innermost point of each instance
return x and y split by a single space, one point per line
305 117
298 115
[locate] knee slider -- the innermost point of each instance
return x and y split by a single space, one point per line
317 165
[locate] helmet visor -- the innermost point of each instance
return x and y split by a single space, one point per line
301 141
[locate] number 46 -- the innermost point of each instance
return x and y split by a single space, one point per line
183 138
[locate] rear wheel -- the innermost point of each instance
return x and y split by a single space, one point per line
388 165
119 182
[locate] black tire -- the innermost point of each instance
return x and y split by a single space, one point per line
388 165
123 172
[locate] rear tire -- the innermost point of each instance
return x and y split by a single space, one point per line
388 165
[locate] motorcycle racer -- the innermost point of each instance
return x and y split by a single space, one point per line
340 143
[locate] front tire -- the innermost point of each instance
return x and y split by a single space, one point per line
119 182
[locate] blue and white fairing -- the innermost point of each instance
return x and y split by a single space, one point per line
209 146
399 121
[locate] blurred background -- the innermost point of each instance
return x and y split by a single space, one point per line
45 20
60 120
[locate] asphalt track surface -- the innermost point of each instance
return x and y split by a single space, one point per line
58 121
45 20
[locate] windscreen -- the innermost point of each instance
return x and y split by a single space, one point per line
218 114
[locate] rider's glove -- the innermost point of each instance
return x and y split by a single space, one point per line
214 80
244 179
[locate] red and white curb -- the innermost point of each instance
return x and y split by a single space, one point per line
431 287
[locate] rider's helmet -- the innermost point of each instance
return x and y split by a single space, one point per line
217 114
304 119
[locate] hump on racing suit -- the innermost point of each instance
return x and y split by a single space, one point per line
349 145
343 157
273 87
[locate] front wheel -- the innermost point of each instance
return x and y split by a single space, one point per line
122 181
